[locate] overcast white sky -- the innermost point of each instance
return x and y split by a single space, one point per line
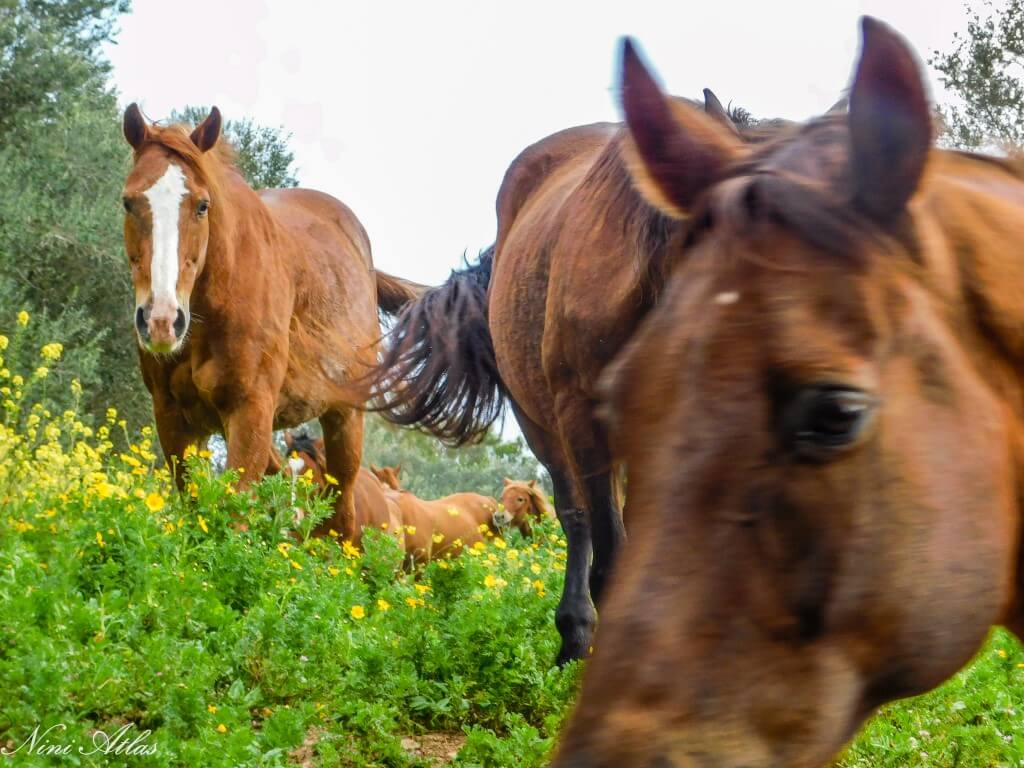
410 112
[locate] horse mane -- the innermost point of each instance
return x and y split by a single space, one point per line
800 178
539 500
213 167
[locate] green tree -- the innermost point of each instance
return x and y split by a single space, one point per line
984 72
49 53
263 154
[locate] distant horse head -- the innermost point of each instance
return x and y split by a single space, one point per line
388 475
521 503
305 453
822 425
169 198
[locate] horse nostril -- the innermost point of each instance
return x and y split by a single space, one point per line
141 322
179 324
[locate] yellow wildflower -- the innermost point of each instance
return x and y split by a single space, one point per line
349 549
154 502
453 511
222 728
479 546
99 539
295 565
500 543
358 612
383 604
535 568
438 538
331 479
23 318
410 529
42 372
211 709
332 533
3 342
332 570
202 524
190 451
423 588
52 351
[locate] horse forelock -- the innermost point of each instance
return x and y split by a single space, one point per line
210 168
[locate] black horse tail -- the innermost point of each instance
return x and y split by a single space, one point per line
438 371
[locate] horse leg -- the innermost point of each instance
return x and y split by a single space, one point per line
587 451
343 444
575 616
175 435
249 429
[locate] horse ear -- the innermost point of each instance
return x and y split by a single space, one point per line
207 132
374 468
713 107
134 125
398 469
533 483
677 151
890 123
507 481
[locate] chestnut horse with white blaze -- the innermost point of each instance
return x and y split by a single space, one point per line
824 427
522 503
253 310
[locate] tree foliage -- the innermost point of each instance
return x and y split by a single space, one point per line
984 71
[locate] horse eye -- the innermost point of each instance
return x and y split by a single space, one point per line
822 421
203 207
127 205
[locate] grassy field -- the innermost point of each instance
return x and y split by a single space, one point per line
127 608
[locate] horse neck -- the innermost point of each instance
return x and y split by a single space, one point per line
241 221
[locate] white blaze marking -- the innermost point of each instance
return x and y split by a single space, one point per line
165 198
727 297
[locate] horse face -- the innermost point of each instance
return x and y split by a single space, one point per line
166 231
516 501
822 505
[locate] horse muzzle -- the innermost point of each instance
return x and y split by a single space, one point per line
161 325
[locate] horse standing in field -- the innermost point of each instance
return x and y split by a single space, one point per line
522 503
824 427
439 527
578 261
253 310
374 506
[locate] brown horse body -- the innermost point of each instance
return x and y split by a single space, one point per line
823 421
575 267
439 527
283 294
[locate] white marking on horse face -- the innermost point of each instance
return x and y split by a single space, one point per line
727 297
165 198
501 518
296 465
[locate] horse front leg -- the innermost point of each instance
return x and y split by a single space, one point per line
175 435
249 427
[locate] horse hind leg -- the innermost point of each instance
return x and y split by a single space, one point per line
343 445
575 617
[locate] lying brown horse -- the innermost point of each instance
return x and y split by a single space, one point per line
439 527
824 427
522 503
253 310
578 262
374 507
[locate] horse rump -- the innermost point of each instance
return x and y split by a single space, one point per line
438 371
